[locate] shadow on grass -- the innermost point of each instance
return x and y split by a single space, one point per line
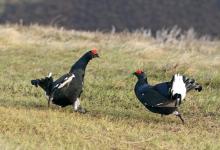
23 104
112 114
142 116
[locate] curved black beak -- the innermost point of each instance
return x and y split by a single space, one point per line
96 55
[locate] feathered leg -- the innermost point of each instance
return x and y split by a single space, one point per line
77 107
48 103
49 100
179 115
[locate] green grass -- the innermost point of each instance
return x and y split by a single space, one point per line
116 120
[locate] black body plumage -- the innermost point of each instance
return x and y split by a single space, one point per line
68 88
158 98
152 96
68 94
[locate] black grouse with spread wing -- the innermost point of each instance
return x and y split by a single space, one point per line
68 88
164 98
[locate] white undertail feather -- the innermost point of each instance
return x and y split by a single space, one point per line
178 86
49 75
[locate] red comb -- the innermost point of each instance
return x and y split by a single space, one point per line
139 71
94 51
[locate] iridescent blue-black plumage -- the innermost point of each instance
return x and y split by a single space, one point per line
158 98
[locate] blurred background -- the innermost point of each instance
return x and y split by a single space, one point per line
117 15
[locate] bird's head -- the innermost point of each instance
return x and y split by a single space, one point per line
139 74
93 53
44 83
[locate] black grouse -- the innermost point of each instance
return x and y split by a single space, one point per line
68 88
164 98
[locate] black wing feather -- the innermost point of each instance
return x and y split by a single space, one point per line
153 98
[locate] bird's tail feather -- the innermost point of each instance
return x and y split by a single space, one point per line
191 84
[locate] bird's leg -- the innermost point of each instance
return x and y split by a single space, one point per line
77 107
178 115
49 100
76 104
48 103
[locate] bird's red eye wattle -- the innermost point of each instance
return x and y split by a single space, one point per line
139 71
94 51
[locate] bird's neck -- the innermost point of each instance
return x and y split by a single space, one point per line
142 79
80 65
141 84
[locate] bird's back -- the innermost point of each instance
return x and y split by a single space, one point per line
61 79
163 88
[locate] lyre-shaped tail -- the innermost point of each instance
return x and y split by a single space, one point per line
191 84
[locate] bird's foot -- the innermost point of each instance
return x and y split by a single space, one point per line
180 116
81 110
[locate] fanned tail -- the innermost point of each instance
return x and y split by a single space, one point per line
191 84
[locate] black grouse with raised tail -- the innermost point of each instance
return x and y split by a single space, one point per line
164 98
68 88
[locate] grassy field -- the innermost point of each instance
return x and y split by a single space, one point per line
116 120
